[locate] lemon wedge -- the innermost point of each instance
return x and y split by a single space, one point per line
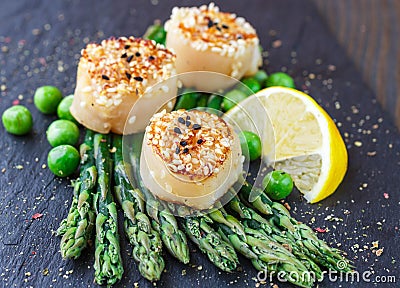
298 137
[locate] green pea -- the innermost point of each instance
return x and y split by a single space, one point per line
63 160
62 132
214 102
232 98
280 79
187 100
202 101
47 98
63 109
250 86
157 33
261 76
250 144
278 184
17 120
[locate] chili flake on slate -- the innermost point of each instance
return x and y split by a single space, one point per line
37 216
320 230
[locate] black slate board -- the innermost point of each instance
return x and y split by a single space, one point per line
40 43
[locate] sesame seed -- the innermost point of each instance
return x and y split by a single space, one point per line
151 58
105 77
124 55
127 46
129 59
137 54
199 141
183 143
138 78
128 75
188 117
186 150
188 123
210 23
196 127
177 150
225 26
177 130
181 120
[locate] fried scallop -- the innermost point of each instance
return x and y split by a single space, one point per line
114 75
205 39
190 157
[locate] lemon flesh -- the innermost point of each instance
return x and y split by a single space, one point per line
298 137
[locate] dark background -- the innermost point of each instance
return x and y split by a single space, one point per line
40 44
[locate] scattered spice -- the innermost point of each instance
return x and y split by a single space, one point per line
129 59
200 141
129 76
186 150
105 77
183 143
37 216
124 55
177 130
320 230
137 54
138 78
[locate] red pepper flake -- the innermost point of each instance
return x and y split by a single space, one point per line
15 102
386 195
320 230
42 61
37 216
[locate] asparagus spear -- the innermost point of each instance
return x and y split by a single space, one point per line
264 252
299 233
108 262
146 242
253 220
163 220
268 256
77 228
218 250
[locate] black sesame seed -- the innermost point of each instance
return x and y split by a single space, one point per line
188 123
105 77
138 78
196 127
127 46
151 58
225 26
188 117
186 150
181 120
129 59
177 150
177 130
239 36
199 141
183 143
218 28
137 54
124 55
129 76
210 23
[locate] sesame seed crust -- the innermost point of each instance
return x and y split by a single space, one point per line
182 152
125 66
206 28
